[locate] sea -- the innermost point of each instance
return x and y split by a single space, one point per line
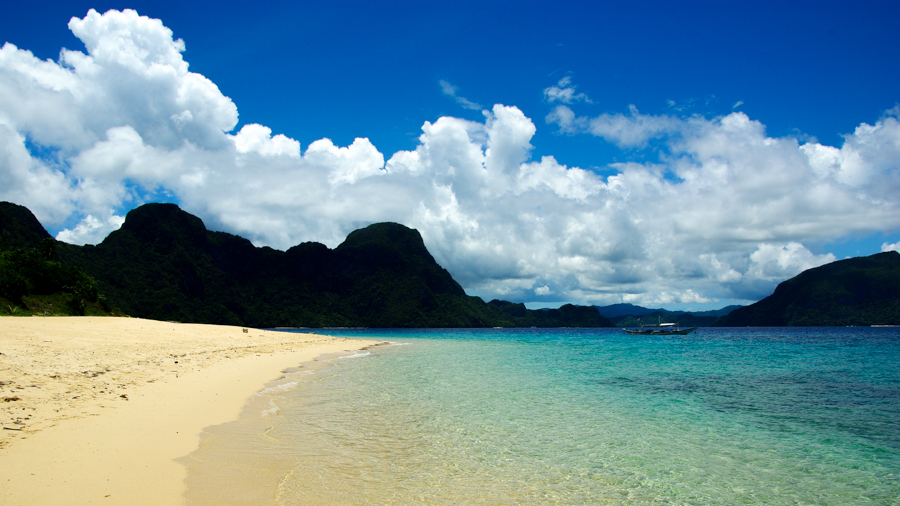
724 416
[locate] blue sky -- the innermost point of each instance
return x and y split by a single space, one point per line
347 69
669 75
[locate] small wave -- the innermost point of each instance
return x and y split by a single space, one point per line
280 388
357 355
271 411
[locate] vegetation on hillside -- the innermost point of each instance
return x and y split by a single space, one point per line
855 291
163 264
33 281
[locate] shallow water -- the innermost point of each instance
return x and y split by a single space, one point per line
570 416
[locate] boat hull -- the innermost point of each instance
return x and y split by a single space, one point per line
678 332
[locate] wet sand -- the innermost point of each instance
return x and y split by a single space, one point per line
96 410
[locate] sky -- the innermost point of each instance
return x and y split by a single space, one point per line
682 155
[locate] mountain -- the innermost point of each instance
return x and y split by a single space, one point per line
629 315
19 228
164 264
32 279
567 315
717 312
855 291
615 310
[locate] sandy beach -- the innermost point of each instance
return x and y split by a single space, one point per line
96 410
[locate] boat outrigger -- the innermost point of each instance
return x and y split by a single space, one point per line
661 329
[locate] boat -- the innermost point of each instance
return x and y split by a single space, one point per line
660 329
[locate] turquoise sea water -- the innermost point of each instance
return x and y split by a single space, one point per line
571 416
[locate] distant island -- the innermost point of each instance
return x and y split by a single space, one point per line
164 264
630 315
855 291
859 291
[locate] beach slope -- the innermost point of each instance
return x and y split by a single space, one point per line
95 410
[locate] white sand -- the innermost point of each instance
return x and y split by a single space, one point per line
103 409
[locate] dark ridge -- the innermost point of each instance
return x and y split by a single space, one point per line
165 227
855 291
164 264
629 315
615 311
19 228
33 281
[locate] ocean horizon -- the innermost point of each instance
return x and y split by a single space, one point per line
570 416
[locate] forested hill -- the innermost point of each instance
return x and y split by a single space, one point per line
164 264
630 315
856 291
19 228
33 280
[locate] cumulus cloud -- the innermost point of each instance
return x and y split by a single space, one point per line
91 230
258 138
776 262
723 213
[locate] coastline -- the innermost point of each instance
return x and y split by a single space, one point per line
100 408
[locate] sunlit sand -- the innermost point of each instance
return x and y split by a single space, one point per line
96 410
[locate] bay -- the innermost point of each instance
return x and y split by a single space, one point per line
571 416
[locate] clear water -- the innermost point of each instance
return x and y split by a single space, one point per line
570 416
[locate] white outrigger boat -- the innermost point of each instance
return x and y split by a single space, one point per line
661 329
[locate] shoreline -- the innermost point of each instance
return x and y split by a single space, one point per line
106 405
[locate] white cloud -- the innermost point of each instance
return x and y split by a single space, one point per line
451 91
564 92
665 298
890 247
564 117
626 131
132 90
258 138
31 182
776 262
723 213
346 165
91 230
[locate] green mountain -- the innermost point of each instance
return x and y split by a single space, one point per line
625 309
164 264
19 228
856 291
567 315
629 315
32 278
